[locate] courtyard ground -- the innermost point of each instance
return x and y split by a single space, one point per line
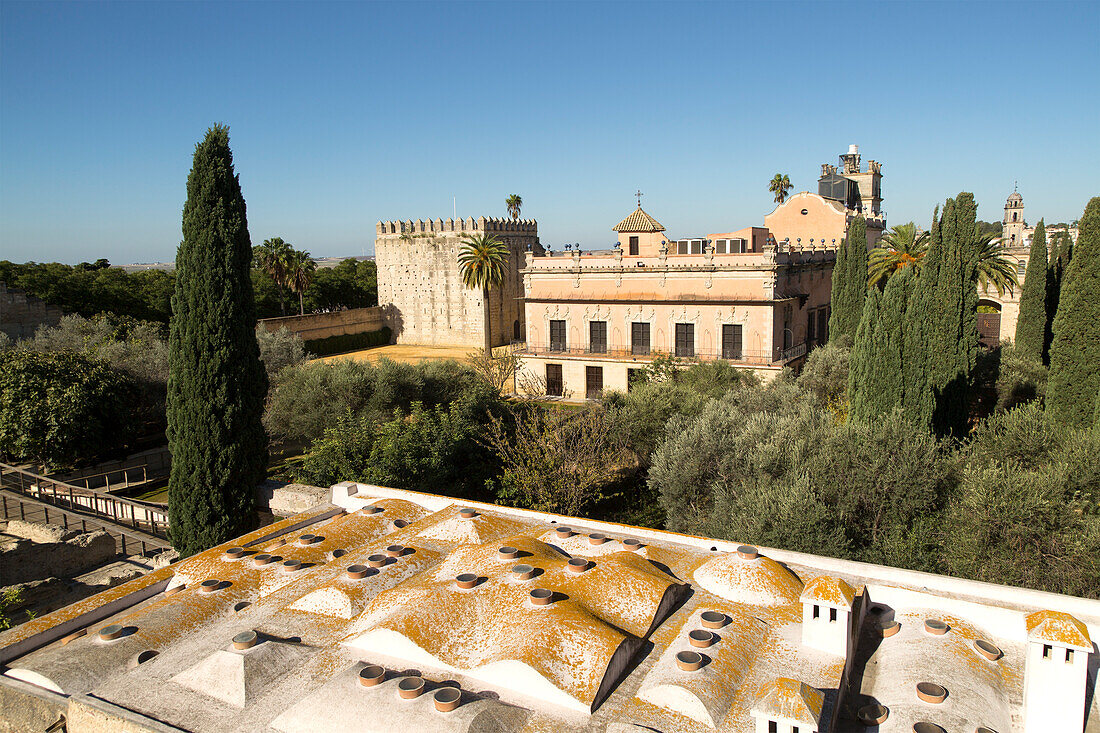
405 353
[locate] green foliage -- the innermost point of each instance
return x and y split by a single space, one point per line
780 186
482 261
9 598
825 373
514 203
435 451
279 349
1031 324
1020 379
849 281
349 342
143 295
309 398
351 284
877 383
1075 351
217 385
63 409
904 245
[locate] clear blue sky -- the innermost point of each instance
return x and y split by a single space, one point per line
346 113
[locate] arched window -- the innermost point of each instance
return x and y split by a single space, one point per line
515 331
1014 216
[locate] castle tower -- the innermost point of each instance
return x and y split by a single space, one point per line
1013 233
1055 672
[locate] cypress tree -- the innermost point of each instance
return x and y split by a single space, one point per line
1075 352
217 384
876 366
849 281
1031 324
918 400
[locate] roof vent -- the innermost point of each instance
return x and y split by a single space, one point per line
447 699
377 561
541 596
112 632
210 585
873 714
935 627
714 619
466 581
291 566
262 559
338 553
233 553
689 661
309 539
141 658
990 651
577 565
400 523
467 512
238 607
596 538
702 638
395 550
523 572
372 509
889 628
357 572
747 552
372 675
632 544
410 687
923 727
507 553
246 640
931 692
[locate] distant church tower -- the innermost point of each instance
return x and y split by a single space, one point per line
1013 234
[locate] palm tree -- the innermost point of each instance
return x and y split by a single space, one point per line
901 246
482 260
272 257
994 269
514 204
299 274
780 186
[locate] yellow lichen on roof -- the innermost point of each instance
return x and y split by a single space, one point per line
1059 628
791 699
831 591
639 221
760 581
570 642
446 525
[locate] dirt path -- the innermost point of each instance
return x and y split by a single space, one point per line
405 353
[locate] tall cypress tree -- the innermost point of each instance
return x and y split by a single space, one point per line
217 384
1031 324
1075 352
876 367
849 281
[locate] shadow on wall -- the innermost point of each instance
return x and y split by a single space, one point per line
392 318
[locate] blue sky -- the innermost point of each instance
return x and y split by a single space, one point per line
346 113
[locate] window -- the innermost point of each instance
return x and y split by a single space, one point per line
639 339
553 380
557 335
682 247
823 325
1046 651
739 246
1013 216
1020 268
593 382
633 377
811 327
1069 656
597 337
794 729
634 246
773 727
805 212
685 339
720 246
817 611
697 246
832 615
731 341
515 331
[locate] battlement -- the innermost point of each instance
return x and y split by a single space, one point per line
443 226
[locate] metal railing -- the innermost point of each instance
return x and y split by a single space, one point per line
614 351
146 518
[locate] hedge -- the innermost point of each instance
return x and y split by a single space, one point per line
348 342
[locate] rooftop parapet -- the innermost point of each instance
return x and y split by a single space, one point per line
442 226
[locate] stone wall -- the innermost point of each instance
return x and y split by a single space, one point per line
420 288
323 325
21 314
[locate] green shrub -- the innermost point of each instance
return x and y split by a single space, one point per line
1020 378
279 349
825 374
63 409
348 342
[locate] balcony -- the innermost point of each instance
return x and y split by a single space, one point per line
618 352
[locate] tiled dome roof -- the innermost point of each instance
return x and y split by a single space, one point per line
639 221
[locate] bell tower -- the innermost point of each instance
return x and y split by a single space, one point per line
1013 230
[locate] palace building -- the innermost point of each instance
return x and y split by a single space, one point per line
394 611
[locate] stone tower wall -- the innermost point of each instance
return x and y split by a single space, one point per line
420 289
21 314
